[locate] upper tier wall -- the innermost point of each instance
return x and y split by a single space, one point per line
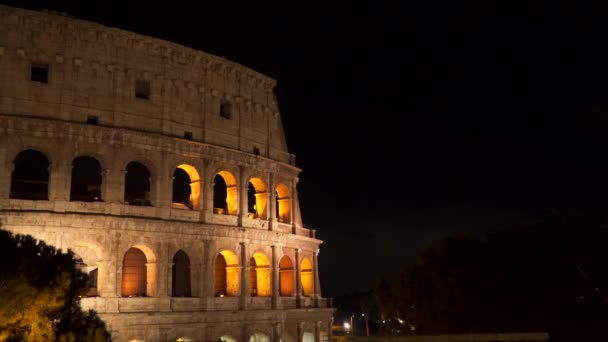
93 71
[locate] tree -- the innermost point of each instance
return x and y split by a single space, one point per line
40 288
547 276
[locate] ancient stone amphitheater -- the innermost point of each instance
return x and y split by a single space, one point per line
166 170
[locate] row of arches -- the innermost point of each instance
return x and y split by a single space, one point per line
30 181
136 280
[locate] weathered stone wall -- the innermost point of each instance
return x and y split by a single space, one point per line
87 107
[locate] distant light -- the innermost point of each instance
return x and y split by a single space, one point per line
346 325
400 320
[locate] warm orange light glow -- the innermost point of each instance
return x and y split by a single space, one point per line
307 277
259 275
195 184
283 203
261 197
231 192
226 274
286 277
134 273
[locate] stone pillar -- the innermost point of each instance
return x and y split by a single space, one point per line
277 332
244 283
60 177
113 186
292 206
300 331
195 194
318 331
298 275
317 282
330 324
276 304
195 279
243 192
169 280
272 205
151 279
207 184
164 194
208 282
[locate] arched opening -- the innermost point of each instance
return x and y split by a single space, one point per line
30 177
259 337
257 200
227 338
226 276
285 337
306 277
134 274
181 275
181 189
308 337
137 184
87 262
219 195
225 194
86 180
283 204
259 275
286 277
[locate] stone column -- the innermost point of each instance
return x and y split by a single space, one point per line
272 205
113 189
207 184
243 192
244 283
300 331
6 173
60 177
298 279
318 331
292 206
276 304
277 332
317 282
169 280
330 324
208 282
151 280
164 194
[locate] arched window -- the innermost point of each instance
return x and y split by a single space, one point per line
137 184
226 276
306 277
259 275
286 277
30 177
181 275
134 275
257 199
86 180
283 204
225 196
181 189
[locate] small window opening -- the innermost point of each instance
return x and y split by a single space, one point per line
142 89
188 135
226 110
40 73
256 151
92 120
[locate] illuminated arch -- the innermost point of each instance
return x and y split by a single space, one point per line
225 193
308 337
136 280
86 179
286 277
181 275
306 276
283 204
257 199
30 176
259 275
259 337
186 187
285 337
226 277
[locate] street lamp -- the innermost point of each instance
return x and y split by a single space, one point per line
352 330
347 327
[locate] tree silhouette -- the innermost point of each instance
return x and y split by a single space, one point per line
40 288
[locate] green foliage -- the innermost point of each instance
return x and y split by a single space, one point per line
549 276
40 289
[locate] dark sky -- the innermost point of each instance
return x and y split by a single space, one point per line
412 120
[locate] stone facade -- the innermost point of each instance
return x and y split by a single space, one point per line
166 170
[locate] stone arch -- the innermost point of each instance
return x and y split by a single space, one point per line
138 278
257 199
283 205
181 280
225 193
186 187
286 277
226 274
90 261
30 176
86 180
306 276
259 275
137 184
308 337
259 337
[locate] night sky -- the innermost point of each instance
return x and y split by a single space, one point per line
412 120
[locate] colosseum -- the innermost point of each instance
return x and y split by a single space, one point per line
166 170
